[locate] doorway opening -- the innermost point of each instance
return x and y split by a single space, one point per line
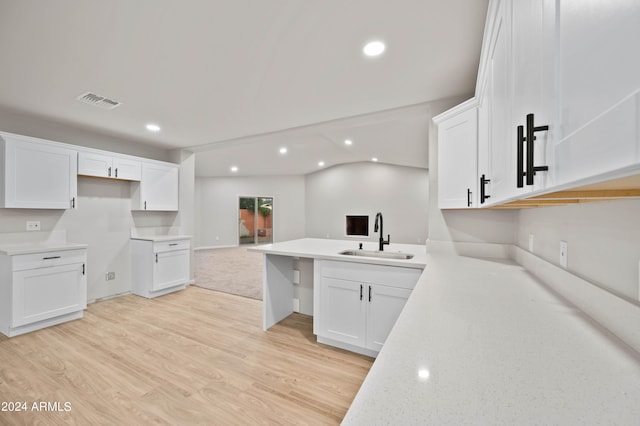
255 220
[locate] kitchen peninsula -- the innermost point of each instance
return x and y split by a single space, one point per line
347 288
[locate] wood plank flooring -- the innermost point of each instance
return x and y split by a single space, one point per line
192 357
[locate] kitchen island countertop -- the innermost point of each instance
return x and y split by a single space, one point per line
318 248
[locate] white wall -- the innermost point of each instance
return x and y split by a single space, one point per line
216 207
399 193
603 240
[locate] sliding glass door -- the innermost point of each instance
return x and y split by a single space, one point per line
255 220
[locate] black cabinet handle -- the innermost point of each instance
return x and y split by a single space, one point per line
109 172
520 158
531 130
360 291
51 257
483 182
73 203
116 172
156 257
173 244
468 197
145 205
369 293
83 269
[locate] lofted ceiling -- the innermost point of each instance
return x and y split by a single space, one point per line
236 80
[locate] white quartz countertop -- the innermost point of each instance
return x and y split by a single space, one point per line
319 248
30 248
480 341
160 238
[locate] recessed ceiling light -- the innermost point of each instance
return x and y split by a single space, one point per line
374 159
373 48
153 127
320 163
234 169
348 141
283 150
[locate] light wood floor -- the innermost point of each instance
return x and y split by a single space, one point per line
192 357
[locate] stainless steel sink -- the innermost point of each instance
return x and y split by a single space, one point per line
382 254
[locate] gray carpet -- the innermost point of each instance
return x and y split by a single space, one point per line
231 270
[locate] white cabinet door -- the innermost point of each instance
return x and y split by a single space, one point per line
127 169
38 175
599 83
40 294
171 268
501 138
532 58
158 188
457 160
383 309
343 311
90 164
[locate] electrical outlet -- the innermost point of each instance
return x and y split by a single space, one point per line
33 225
109 276
531 243
564 248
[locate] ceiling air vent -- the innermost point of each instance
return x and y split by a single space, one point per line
97 100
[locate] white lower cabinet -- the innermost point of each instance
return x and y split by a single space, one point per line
159 267
360 303
42 289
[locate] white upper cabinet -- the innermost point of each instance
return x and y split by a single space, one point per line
558 99
107 166
599 86
533 83
457 154
158 187
37 174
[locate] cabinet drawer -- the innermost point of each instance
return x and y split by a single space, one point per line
163 246
393 276
48 259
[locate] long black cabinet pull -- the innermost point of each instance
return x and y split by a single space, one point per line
116 172
83 269
531 130
360 291
51 257
483 182
529 139
369 293
156 257
520 158
109 172
468 197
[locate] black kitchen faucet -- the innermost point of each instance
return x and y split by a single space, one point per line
375 229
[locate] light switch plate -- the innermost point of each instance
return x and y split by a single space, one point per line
564 248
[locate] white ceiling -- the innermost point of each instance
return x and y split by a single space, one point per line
237 79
